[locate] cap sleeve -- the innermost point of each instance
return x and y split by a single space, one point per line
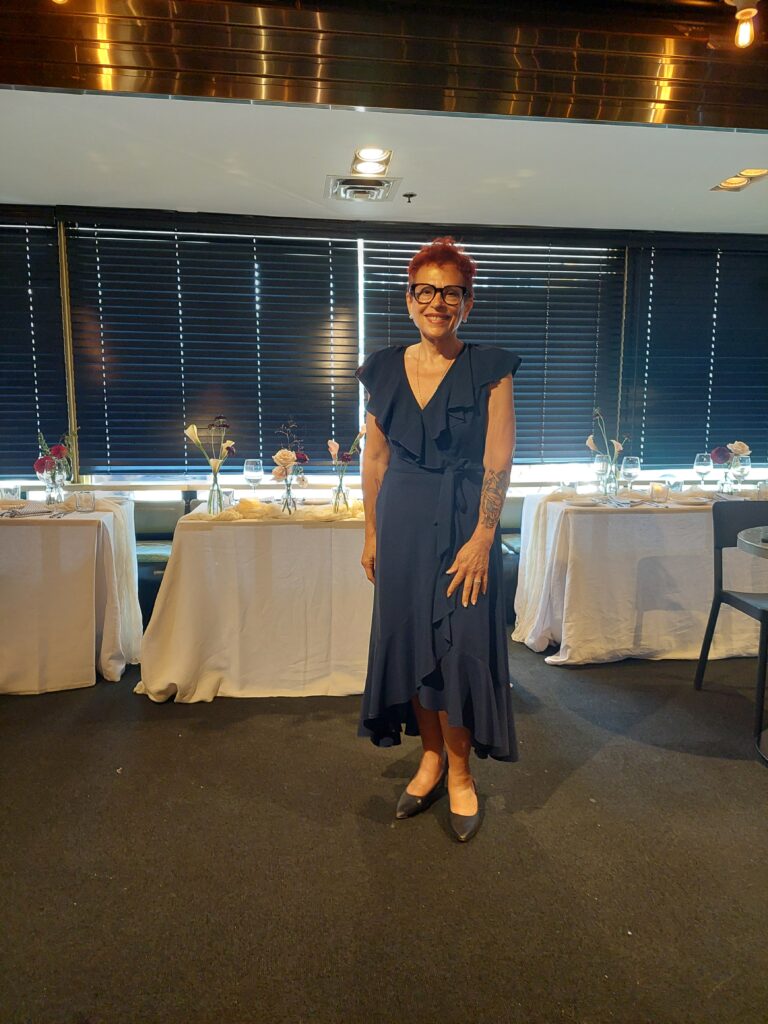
492 363
373 373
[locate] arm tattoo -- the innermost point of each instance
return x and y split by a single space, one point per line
492 496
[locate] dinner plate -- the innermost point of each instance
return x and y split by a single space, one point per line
315 501
691 499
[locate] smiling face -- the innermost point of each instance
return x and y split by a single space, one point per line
437 320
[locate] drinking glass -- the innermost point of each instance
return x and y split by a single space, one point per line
228 499
253 471
11 492
659 492
630 468
762 490
702 465
85 501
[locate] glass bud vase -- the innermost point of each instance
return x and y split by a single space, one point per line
340 498
215 497
54 480
611 481
288 503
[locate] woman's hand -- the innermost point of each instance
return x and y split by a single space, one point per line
368 561
471 568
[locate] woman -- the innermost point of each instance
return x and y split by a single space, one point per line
440 433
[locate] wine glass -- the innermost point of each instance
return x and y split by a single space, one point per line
601 465
630 468
740 467
253 471
702 465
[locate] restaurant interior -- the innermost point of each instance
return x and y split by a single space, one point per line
207 215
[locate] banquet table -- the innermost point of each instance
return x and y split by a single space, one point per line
604 583
68 600
259 608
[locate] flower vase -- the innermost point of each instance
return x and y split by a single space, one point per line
611 481
340 498
215 498
54 480
288 503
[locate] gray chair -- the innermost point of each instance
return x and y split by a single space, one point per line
729 518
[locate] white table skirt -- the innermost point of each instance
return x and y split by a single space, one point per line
60 604
629 584
259 609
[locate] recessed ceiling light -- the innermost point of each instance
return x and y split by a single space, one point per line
373 153
369 167
736 181
753 172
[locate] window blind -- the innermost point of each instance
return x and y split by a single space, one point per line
32 377
172 328
558 307
700 369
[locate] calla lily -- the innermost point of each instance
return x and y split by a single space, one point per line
590 443
191 433
616 447
333 448
216 465
227 445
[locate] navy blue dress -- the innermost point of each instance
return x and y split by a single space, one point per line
423 642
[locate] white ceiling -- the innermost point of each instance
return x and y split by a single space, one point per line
242 158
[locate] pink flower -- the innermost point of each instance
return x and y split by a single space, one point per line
302 457
45 464
333 448
720 456
345 457
590 443
58 451
279 473
616 447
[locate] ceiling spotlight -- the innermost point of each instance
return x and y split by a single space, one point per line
754 172
373 153
368 167
746 10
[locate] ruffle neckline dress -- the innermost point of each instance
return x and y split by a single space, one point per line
423 642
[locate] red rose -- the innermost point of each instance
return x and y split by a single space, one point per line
302 457
45 464
58 451
720 456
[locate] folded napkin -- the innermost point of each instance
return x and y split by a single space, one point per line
252 508
28 508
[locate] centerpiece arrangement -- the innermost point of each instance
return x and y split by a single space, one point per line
606 453
54 466
289 465
736 460
220 450
340 462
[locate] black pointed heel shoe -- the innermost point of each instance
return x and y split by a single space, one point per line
465 826
408 804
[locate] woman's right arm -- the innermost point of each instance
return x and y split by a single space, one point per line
375 464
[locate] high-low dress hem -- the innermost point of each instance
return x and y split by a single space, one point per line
423 643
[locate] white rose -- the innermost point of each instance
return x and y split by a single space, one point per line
590 443
285 457
739 448
191 433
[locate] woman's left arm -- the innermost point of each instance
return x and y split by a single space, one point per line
471 562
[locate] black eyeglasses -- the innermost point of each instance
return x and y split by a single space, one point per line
451 294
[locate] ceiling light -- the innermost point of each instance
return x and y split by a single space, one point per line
373 153
746 10
368 167
736 181
754 172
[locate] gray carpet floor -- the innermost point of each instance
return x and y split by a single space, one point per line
238 862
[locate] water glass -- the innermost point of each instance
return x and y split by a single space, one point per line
702 465
253 471
659 492
601 467
9 493
740 467
227 499
85 501
762 490
630 468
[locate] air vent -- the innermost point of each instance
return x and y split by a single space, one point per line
358 189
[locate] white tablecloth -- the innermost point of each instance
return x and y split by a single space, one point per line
68 601
627 583
257 609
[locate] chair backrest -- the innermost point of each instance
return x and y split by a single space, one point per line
731 517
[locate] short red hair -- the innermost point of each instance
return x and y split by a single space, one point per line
444 252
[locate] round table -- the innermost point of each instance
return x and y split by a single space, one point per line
755 542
